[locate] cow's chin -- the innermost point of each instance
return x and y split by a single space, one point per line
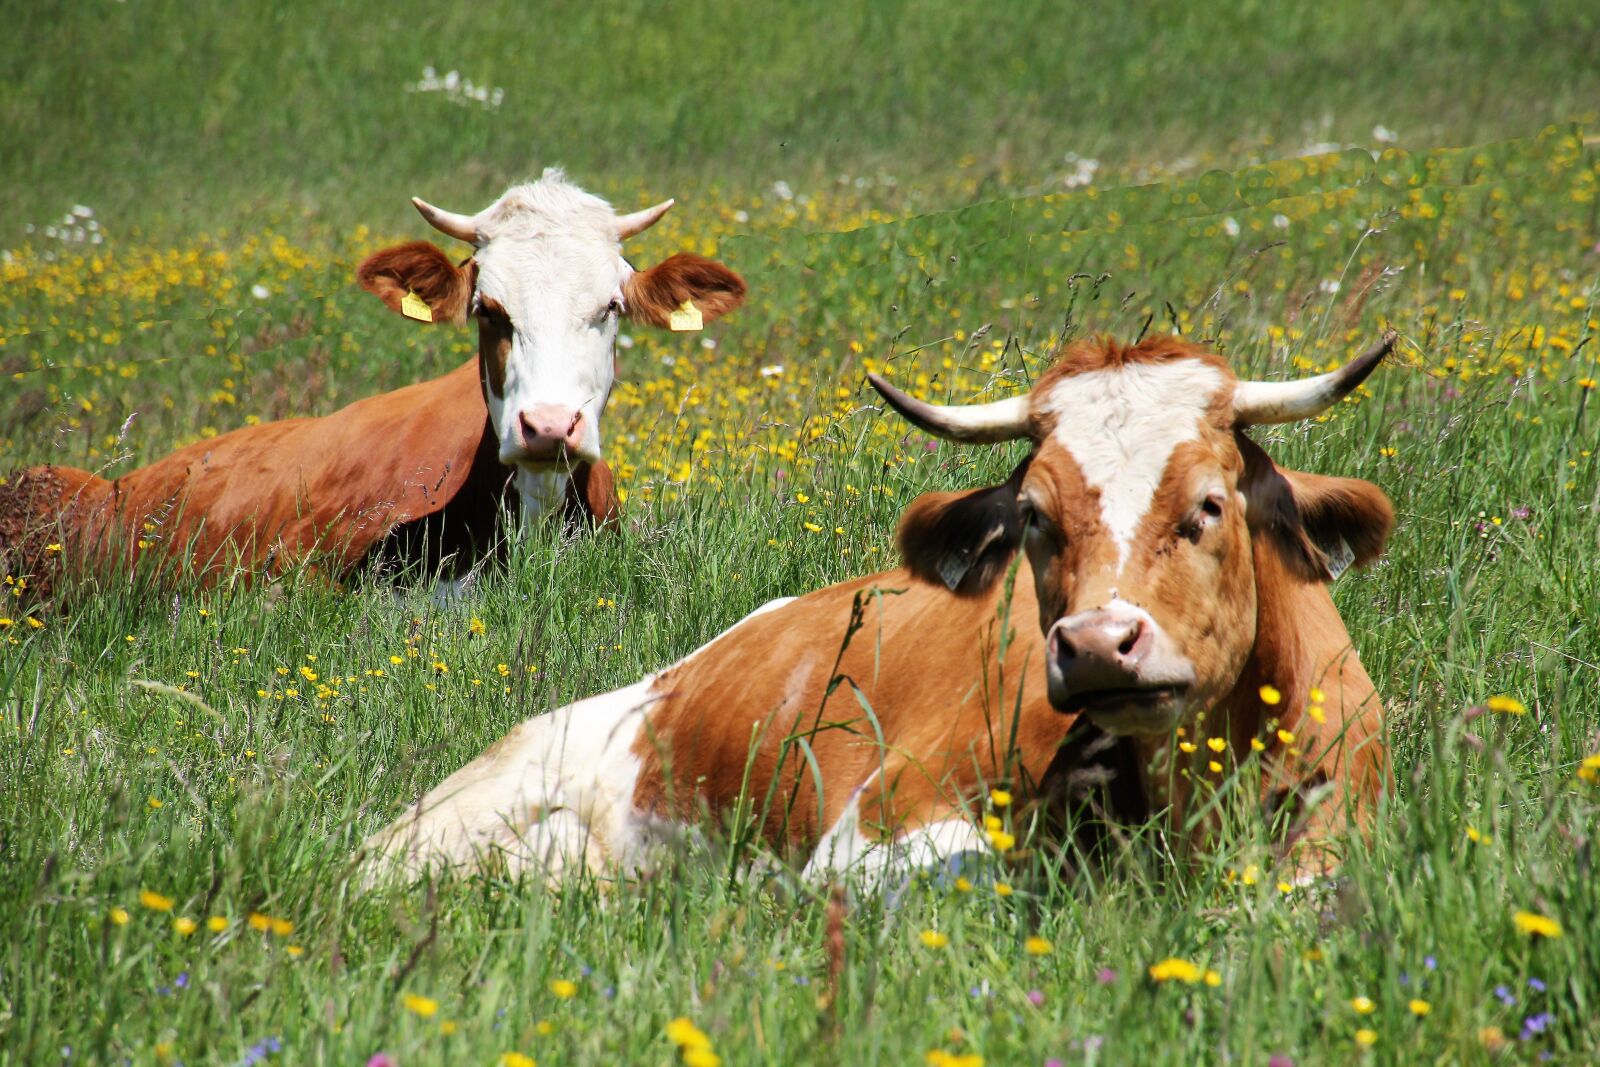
1145 710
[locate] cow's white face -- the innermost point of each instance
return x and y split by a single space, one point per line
548 287
548 304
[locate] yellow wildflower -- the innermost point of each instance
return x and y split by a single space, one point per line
1270 696
517 1059
119 916
999 798
154 901
685 1034
1363 1005
1507 705
564 988
1535 925
1217 744
1366 1038
1420 1007
934 939
1173 969
420 1006
1038 946
185 925
216 924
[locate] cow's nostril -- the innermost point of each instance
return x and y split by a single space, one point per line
1131 638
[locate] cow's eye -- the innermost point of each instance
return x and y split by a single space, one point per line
1203 518
1033 520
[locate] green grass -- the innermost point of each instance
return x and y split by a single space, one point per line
189 131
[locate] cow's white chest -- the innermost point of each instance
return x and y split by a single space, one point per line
1122 425
540 493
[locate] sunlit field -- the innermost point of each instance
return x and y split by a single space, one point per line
186 771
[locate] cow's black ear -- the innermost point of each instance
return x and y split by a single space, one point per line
963 541
1322 525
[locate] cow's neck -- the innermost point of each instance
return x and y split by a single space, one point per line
541 493
1301 642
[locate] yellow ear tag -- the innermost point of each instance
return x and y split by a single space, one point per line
686 317
413 306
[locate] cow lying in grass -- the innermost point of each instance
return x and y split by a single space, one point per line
427 469
1175 572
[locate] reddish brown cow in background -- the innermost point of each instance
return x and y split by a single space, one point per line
1174 569
428 468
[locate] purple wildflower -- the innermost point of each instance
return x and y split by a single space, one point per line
1280 1059
1534 1025
1105 976
382 1059
1503 995
1536 984
1036 997
1430 963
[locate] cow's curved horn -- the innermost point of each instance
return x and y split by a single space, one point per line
1255 403
998 420
461 227
641 220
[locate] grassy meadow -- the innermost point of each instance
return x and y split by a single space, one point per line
930 190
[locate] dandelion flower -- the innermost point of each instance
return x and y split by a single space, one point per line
685 1034
1001 889
701 1057
1536 925
216 924
1420 1007
517 1059
185 925
282 927
154 901
119 916
1038 946
1507 705
1366 1038
420 1006
934 939
295 950
564 988
1363 1005
1173 969
963 885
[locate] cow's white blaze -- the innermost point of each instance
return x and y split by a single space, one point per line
551 256
1121 426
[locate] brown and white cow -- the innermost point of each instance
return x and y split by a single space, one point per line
427 466
1174 569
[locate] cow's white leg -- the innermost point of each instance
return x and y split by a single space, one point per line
845 850
553 794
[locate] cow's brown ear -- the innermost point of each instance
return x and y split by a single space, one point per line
419 270
652 295
1323 525
963 541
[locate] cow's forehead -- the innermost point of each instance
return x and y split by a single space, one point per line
548 240
1121 425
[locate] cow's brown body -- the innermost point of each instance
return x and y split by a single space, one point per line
1169 610
410 474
